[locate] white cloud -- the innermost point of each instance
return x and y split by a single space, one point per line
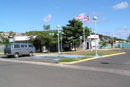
47 18
82 14
102 20
95 13
121 5
123 32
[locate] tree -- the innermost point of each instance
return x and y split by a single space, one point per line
73 31
112 41
11 34
104 44
129 37
87 31
43 39
5 41
46 27
3 38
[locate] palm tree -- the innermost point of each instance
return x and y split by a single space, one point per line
46 27
112 41
129 37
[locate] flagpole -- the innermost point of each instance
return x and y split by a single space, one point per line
90 33
113 39
89 22
84 39
95 19
84 20
58 26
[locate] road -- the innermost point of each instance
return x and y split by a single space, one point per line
86 74
116 62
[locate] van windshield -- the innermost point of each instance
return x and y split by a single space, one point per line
8 46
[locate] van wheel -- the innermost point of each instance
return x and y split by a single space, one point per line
16 55
31 54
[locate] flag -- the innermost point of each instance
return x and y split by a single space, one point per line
86 18
79 17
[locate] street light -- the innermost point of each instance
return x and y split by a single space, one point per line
84 44
61 41
113 39
58 26
95 19
80 41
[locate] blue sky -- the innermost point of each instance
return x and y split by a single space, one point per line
26 15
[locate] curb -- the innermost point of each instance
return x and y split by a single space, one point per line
78 61
93 58
114 54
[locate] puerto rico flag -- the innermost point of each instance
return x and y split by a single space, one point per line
86 18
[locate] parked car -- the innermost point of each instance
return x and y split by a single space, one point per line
18 49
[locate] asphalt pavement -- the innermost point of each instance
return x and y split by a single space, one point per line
114 62
87 74
39 58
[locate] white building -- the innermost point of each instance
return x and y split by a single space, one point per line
91 43
21 38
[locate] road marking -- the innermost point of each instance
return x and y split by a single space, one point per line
114 71
84 60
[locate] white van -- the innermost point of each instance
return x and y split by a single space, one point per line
18 49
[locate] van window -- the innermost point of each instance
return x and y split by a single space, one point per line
16 46
8 46
30 46
22 46
25 46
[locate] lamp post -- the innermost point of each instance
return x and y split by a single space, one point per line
113 39
95 19
80 42
84 44
61 41
58 26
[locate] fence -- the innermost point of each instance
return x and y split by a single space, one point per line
2 47
123 45
119 45
106 47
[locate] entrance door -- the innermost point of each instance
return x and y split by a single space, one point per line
87 45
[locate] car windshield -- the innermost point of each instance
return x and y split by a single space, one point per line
8 46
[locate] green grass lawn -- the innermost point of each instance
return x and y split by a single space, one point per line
90 53
87 54
72 59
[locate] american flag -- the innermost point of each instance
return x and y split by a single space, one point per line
79 17
86 18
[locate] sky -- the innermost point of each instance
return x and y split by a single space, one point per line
30 15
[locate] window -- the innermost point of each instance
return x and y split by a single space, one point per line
22 46
16 46
30 46
8 46
25 46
